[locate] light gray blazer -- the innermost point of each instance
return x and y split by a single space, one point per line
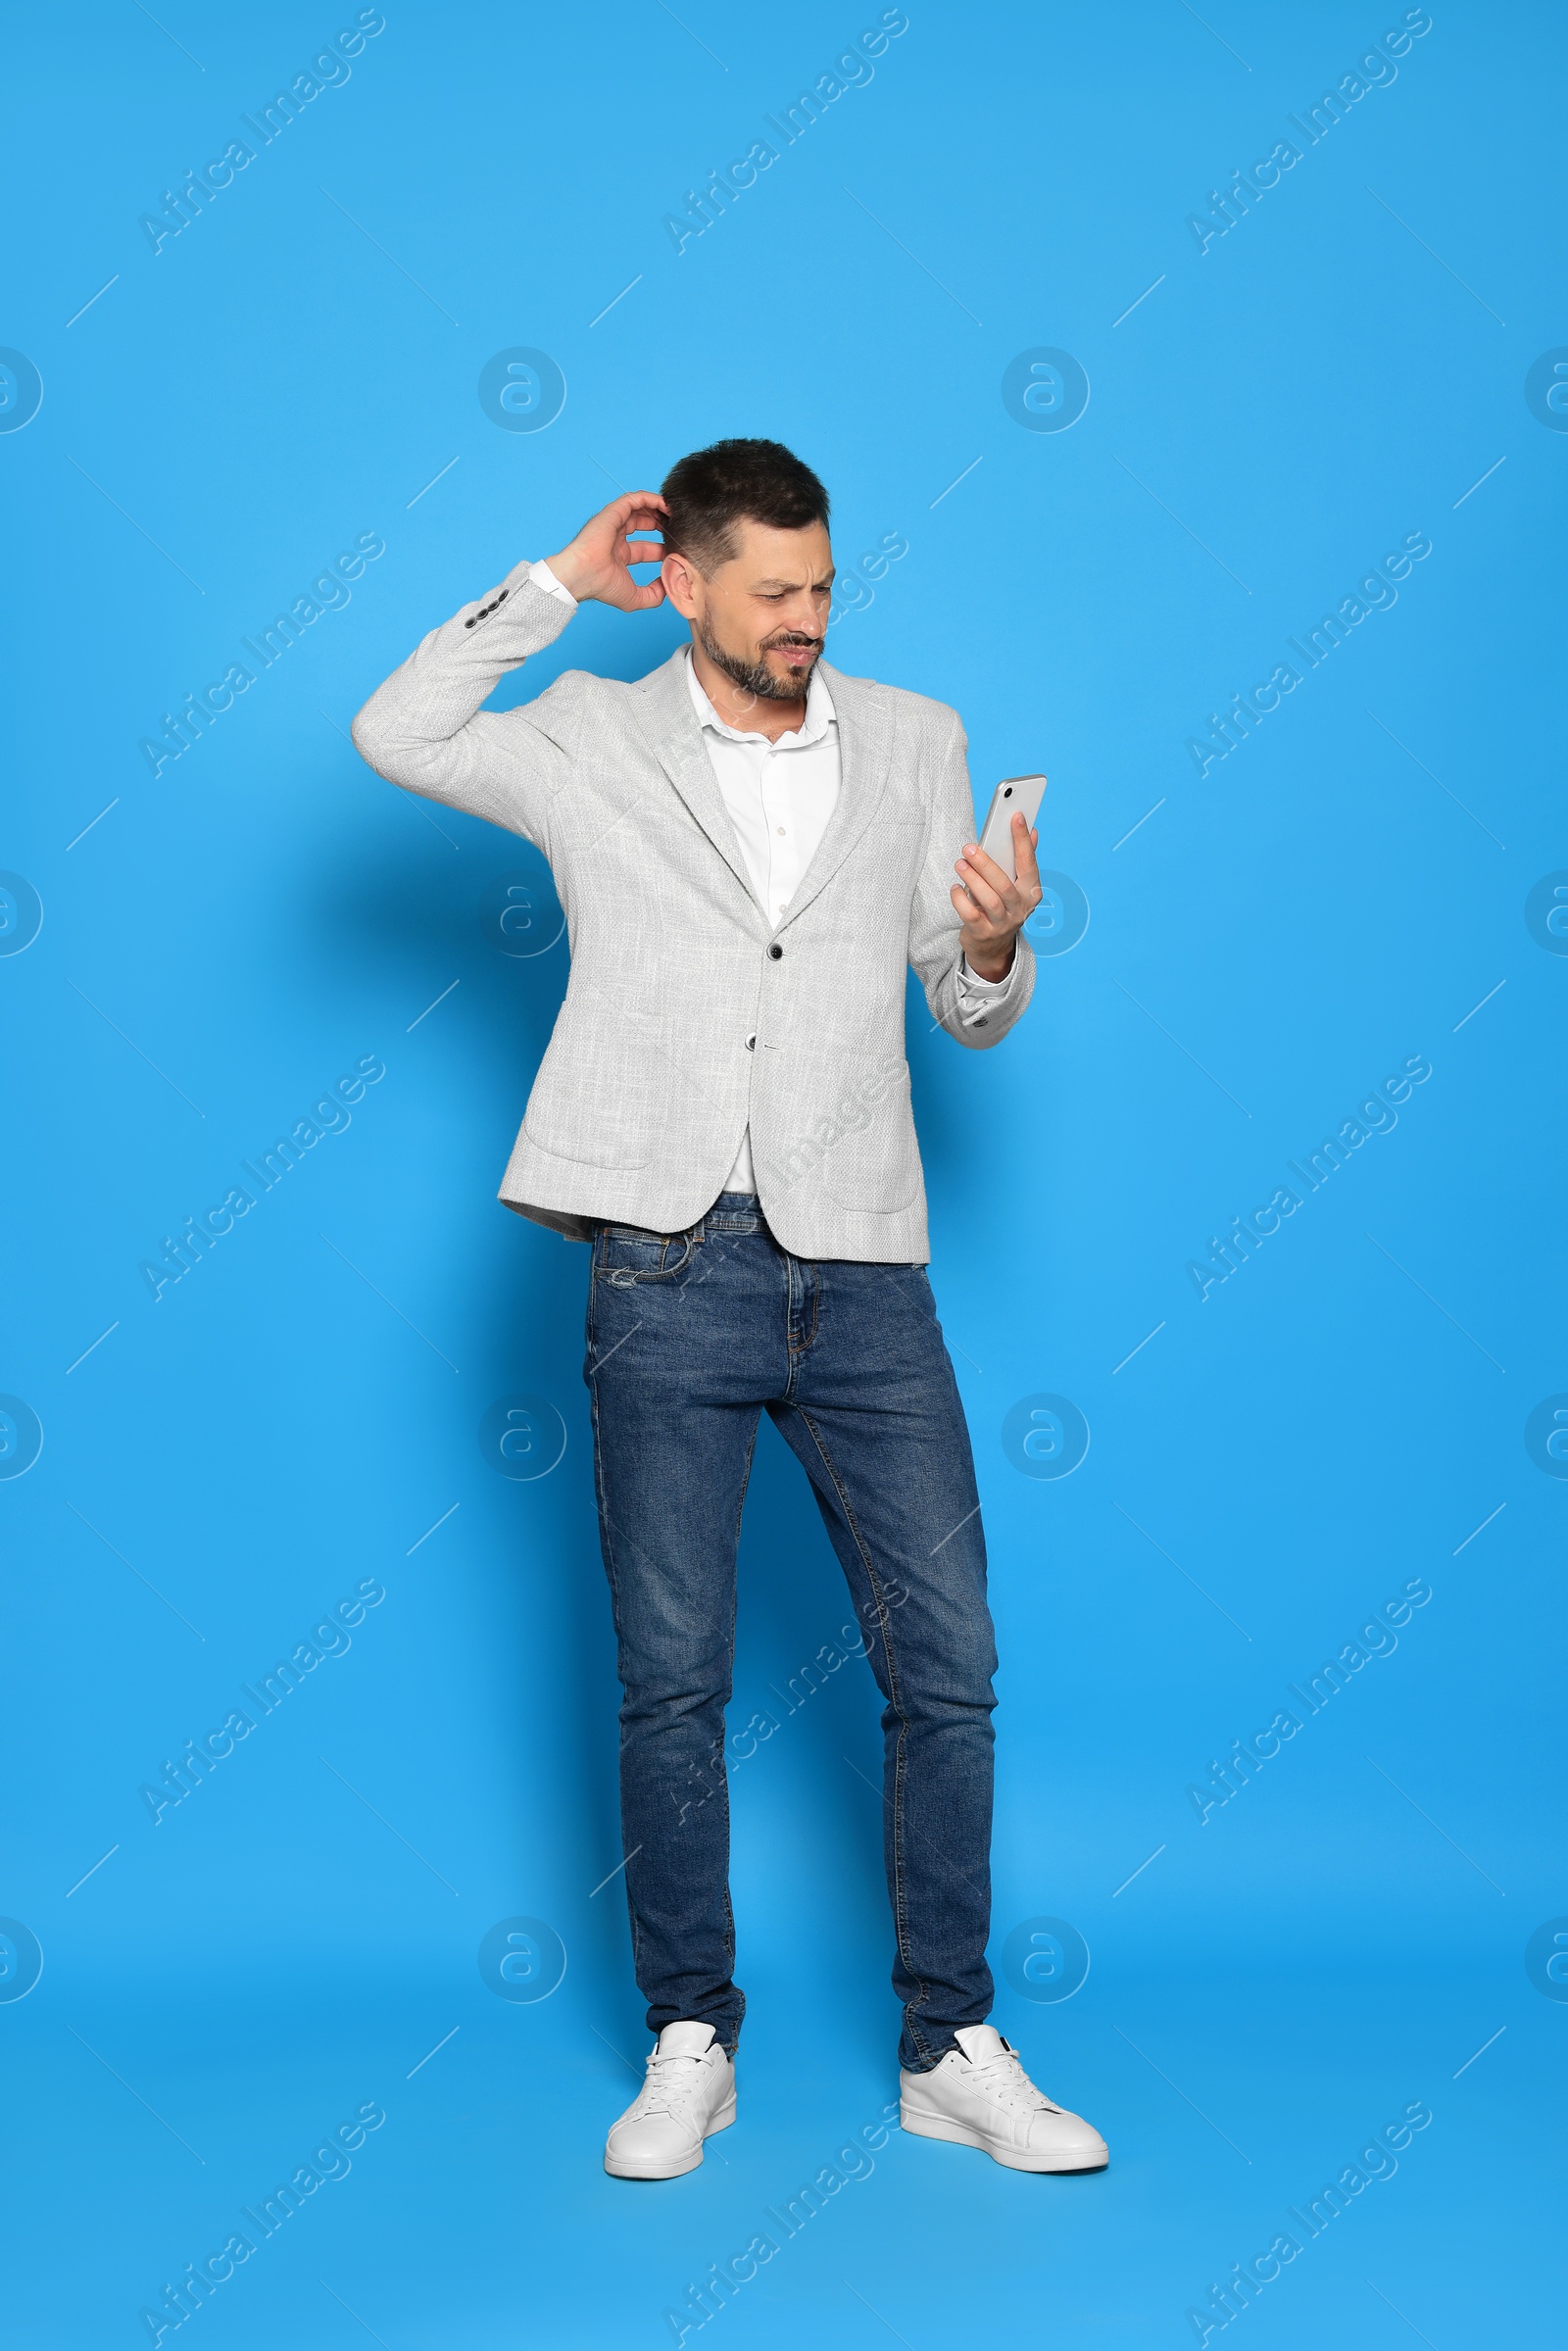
650 1079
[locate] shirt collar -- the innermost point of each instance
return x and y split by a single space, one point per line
819 714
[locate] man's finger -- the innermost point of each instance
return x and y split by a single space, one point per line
1023 853
979 889
990 875
645 551
996 876
628 505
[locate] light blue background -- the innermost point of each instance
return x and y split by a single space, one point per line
292 370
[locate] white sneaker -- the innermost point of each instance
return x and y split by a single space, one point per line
689 2092
980 2097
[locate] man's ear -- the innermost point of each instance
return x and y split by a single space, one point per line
680 577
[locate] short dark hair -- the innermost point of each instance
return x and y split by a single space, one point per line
708 492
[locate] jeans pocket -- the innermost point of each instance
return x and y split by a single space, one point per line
627 1258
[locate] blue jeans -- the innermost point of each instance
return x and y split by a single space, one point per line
691 1337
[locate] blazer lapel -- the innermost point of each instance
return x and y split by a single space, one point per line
677 744
865 755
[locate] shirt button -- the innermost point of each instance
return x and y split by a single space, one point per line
781 832
776 953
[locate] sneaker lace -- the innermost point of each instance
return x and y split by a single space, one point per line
670 2084
1003 2078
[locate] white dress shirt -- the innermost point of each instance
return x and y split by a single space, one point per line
779 796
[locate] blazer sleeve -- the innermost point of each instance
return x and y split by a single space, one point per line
424 729
934 949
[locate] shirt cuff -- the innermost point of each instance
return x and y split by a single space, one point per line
974 984
543 577
978 998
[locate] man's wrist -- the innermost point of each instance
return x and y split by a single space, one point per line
565 569
991 968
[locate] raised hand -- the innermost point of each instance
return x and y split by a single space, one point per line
598 563
991 907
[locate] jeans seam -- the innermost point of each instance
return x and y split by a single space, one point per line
798 1354
606 1541
809 1340
723 1760
789 1356
899 1913
745 1479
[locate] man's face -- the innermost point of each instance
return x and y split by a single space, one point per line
762 616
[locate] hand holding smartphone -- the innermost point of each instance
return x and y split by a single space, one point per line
1014 796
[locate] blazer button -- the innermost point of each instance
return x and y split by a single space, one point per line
776 952
751 1045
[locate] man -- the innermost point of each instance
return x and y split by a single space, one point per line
750 848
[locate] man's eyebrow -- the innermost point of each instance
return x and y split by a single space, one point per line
823 579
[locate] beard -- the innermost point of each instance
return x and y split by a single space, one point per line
755 678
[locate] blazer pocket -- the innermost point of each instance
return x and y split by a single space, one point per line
871 1160
602 1095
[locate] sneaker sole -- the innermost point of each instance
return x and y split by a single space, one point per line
671 2171
959 2134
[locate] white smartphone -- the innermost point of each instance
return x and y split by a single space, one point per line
1014 796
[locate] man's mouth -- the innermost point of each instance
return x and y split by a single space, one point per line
797 654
